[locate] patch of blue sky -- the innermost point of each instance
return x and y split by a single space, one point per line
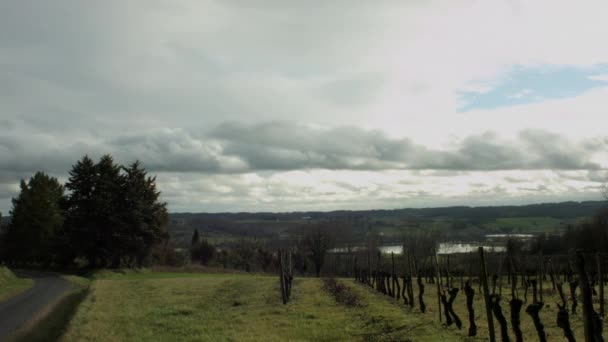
526 84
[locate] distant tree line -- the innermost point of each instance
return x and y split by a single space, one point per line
308 251
111 217
589 235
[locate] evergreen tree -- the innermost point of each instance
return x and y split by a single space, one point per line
37 220
196 239
80 210
202 252
109 201
144 217
94 206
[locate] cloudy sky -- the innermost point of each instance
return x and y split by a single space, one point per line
259 105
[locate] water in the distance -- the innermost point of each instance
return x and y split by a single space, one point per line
466 247
442 248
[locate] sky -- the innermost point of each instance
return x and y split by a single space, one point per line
274 105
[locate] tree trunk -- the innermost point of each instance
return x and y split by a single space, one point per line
534 311
593 326
516 305
502 321
563 321
421 294
470 294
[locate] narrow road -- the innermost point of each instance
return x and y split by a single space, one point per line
17 310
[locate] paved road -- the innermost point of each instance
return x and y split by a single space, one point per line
16 311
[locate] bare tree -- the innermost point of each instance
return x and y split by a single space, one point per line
317 241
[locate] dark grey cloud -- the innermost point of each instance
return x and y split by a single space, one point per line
282 146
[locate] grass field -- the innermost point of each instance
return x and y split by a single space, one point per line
10 285
159 307
164 306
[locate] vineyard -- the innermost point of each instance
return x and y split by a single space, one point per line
482 295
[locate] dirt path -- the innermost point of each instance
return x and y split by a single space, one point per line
47 289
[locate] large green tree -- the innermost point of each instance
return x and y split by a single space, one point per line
82 211
35 232
114 213
143 216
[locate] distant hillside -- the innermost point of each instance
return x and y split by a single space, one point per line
226 227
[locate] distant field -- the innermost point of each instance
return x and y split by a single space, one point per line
530 224
226 228
10 285
525 225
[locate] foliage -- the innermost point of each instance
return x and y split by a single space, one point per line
36 229
202 252
195 238
144 218
168 255
264 258
590 235
242 255
114 215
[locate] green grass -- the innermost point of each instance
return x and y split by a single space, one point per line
143 274
78 281
151 306
10 285
239 308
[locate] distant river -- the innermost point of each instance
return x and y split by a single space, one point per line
443 248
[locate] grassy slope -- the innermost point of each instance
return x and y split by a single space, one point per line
215 307
145 307
10 285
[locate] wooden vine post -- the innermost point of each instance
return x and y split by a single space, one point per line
438 284
486 294
541 274
600 273
285 276
369 269
592 323
421 293
552 275
470 294
412 272
394 280
282 278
